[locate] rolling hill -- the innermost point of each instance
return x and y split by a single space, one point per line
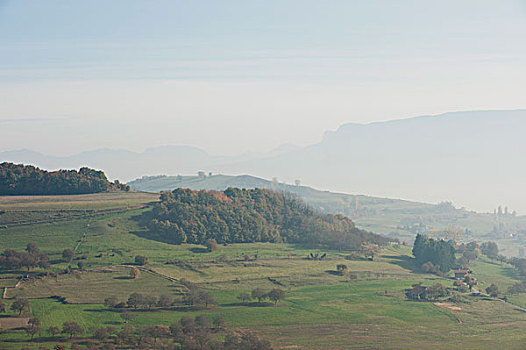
394 217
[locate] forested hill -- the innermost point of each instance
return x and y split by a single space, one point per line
19 179
250 215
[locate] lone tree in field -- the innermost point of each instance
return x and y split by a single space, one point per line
207 299
33 327
276 295
493 290
211 244
134 273
341 268
141 260
71 328
259 294
68 255
20 305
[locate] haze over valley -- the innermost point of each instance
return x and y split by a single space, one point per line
262 175
470 158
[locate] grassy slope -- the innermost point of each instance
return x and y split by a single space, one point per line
380 215
322 309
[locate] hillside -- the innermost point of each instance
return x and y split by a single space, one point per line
473 159
396 218
324 306
250 215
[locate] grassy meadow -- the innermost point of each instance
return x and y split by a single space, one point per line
364 308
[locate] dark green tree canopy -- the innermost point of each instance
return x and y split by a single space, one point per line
19 179
439 252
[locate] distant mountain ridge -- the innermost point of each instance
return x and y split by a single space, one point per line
471 158
474 159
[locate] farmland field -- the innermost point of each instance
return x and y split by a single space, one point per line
363 308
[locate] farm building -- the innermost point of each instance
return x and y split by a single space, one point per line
461 274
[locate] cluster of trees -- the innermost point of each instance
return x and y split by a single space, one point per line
517 288
196 297
19 179
470 252
199 333
437 255
13 260
490 249
138 300
249 215
259 294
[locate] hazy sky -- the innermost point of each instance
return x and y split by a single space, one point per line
238 76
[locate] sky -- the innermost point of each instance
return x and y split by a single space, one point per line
233 77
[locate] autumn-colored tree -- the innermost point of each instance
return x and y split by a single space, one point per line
211 244
341 268
134 273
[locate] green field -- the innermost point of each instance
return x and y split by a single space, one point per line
363 309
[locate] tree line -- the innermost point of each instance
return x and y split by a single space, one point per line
199 333
274 295
11 259
250 215
19 179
